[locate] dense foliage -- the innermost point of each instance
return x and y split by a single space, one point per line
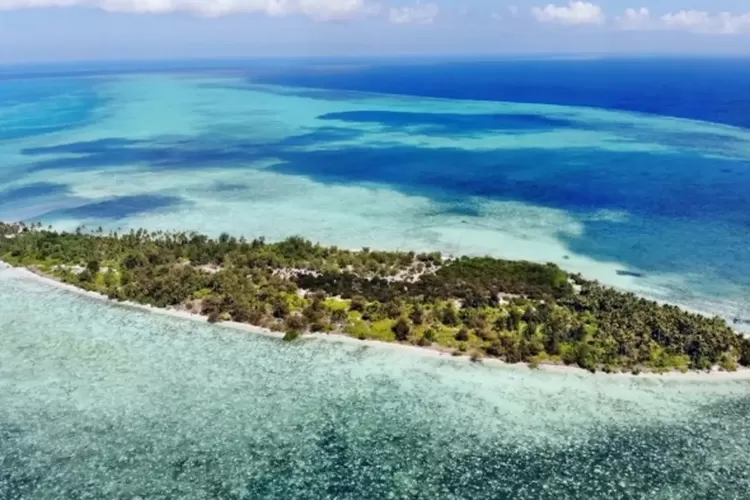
515 311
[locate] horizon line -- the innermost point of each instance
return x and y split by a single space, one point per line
560 56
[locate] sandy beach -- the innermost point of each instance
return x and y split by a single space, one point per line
741 373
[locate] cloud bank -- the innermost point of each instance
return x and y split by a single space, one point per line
635 19
317 9
420 13
703 22
694 21
576 12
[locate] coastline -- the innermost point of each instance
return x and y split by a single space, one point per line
714 375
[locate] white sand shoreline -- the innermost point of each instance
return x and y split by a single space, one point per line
715 375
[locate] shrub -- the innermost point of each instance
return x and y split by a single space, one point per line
417 315
745 351
338 316
424 342
449 316
292 335
402 330
93 267
314 313
484 334
280 309
86 276
393 310
296 322
462 335
317 327
358 304
728 363
110 279
569 357
495 349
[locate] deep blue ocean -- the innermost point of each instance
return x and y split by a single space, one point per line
709 89
714 90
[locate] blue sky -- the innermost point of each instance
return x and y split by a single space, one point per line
51 30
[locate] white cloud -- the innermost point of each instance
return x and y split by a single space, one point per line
513 9
419 13
576 12
696 21
635 19
731 25
317 9
686 19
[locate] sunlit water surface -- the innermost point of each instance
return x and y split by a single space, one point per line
98 401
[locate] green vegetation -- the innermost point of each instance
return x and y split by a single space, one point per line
484 307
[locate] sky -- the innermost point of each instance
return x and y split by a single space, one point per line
63 30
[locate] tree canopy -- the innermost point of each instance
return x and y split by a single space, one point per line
515 311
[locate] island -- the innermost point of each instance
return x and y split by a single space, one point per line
480 307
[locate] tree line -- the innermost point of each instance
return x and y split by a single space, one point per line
481 306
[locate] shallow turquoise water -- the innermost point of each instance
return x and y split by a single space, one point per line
650 204
99 401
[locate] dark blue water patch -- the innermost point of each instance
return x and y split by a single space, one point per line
81 148
712 90
320 94
678 138
322 135
654 249
228 187
670 184
38 107
33 191
460 208
452 124
180 155
119 207
631 274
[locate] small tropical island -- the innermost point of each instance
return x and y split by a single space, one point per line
482 307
